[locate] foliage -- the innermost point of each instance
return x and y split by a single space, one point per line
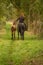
33 10
2 22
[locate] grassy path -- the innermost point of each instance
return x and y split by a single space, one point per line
19 52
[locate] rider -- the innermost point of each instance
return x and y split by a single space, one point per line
21 18
21 26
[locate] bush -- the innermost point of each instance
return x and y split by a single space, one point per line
2 23
41 31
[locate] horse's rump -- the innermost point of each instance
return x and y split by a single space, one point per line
21 27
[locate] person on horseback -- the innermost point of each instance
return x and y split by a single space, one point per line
21 26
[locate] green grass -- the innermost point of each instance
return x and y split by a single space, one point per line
20 52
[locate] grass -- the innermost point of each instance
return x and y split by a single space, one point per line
20 52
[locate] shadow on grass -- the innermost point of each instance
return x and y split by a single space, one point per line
26 38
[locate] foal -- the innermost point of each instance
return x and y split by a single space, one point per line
13 30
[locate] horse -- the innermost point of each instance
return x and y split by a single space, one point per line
13 30
21 30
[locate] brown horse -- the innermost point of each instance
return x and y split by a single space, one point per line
13 30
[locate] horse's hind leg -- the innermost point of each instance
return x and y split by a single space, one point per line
22 36
18 35
12 36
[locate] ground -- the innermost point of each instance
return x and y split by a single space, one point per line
20 52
